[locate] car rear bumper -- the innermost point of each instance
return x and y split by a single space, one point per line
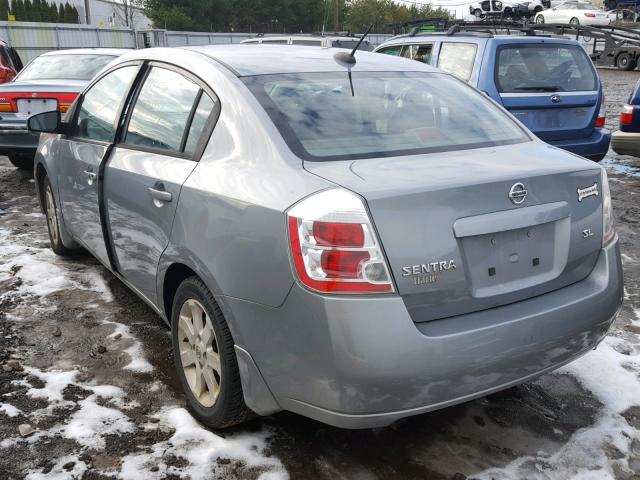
594 147
626 143
17 139
357 362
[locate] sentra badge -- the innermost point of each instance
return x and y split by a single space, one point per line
588 191
427 272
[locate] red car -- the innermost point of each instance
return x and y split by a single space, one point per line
10 63
51 81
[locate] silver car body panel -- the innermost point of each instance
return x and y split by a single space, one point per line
351 361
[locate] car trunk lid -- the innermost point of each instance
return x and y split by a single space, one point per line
455 241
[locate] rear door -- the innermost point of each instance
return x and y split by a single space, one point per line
92 132
458 59
167 129
550 87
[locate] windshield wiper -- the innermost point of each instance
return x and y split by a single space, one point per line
545 88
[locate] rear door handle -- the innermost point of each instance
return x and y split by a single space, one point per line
160 195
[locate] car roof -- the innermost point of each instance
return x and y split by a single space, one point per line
304 37
252 59
474 37
90 51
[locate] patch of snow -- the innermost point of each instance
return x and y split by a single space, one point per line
89 425
138 362
9 410
59 473
621 168
55 382
201 448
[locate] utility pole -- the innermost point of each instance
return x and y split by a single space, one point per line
87 13
336 15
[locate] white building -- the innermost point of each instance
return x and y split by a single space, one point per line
109 13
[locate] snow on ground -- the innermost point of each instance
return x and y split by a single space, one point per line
138 363
201 448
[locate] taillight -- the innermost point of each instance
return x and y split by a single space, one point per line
626 116
590 15
334 247
602 114
608 227
6 106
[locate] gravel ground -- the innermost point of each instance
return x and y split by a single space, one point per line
87 367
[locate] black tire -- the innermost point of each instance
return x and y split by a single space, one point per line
574 21
51 213
477 12
538 9
540 19
22 162
229 408
624 61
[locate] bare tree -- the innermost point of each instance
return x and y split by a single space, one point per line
126 11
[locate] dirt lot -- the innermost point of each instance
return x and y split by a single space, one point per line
88 367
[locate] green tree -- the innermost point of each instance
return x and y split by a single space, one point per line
4 9
61 14
17 9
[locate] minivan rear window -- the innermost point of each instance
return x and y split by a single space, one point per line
323 117
544 68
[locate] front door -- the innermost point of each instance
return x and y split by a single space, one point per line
83 151
165 133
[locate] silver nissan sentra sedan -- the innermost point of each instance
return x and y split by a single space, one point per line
354 242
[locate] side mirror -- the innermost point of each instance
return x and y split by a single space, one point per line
46 122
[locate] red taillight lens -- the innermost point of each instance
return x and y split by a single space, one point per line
342 264
626 116
338 234
602 114
341 256
590 15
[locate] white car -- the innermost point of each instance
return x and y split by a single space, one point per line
509 8
574 13
622 15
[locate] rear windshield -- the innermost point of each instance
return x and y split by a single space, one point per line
544 68
68 67
386 114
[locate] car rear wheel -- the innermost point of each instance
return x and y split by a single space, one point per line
477 12
22 162
205 359
574 21
624 62
540 19
51 214
537 9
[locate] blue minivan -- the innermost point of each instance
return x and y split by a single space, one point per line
548 83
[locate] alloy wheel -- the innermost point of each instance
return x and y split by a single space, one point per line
199 354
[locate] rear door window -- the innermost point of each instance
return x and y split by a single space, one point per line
457 59
544 68
394 50
420 53
162 111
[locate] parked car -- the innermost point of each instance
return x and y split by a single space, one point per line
574 13
259 201
549 84
622 15
10 62
51 81
626 141
335 41
480 9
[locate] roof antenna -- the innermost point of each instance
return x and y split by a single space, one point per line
350 58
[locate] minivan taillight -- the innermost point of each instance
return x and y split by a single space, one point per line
334 248
602 114
626 116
